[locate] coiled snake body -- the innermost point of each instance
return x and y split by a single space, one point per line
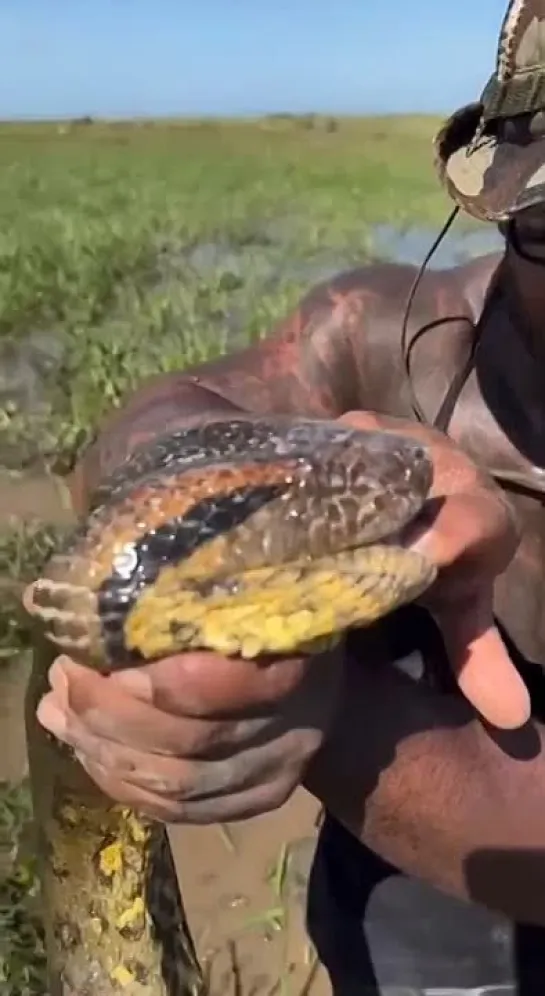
245 537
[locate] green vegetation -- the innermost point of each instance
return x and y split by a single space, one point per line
130 249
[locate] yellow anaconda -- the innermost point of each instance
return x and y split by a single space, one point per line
245 537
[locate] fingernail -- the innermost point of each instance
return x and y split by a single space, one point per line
58 680
63 661
51 718
136 681
58 672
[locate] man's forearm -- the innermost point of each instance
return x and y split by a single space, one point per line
166 404
422 782
305 367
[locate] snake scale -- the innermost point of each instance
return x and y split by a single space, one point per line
247 537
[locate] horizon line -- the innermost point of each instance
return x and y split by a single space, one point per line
193 116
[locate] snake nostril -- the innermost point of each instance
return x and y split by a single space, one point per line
422 458
420 469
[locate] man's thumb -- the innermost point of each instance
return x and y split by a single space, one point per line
484 671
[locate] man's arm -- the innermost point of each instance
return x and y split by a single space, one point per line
417 778
166 403
340 350
314 363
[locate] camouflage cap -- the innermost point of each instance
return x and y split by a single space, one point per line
491 155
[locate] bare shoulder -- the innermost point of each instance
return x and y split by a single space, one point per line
353 299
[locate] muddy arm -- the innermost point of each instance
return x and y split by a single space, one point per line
313 363
415 777
166 403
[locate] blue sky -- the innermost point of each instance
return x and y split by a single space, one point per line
169 57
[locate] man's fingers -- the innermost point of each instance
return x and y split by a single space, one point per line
490 681
471 541
205 684
192 685
222 809
145 802
169 776
484 671
83 700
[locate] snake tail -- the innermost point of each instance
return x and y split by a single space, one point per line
113 914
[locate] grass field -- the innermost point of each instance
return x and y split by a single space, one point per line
125 250
131 249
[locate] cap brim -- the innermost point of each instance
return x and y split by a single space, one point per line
495 179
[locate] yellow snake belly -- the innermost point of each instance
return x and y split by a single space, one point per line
247 537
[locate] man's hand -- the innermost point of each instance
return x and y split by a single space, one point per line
199 738
468 529
196 738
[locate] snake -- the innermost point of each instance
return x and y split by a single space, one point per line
253 536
